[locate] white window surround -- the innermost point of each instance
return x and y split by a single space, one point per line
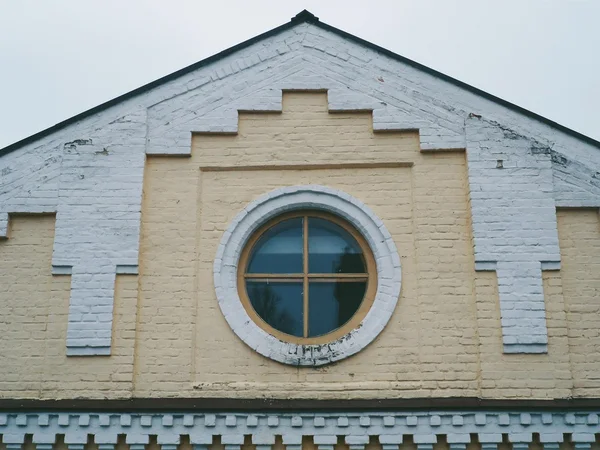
319 198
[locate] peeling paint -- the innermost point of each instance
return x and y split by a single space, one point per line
77 142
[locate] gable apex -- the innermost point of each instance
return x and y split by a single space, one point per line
305 16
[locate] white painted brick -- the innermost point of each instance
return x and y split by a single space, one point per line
515 231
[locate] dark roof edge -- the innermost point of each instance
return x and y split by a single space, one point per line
147 87
302 17
291 405
460 84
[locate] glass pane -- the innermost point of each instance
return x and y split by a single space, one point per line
331 249
279 250
279 304
331 305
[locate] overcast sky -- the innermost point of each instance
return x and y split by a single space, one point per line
61 57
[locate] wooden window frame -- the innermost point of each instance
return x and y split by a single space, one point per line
370 277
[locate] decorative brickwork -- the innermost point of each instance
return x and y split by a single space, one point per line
90 172
265 96
392 430
90 175
514 227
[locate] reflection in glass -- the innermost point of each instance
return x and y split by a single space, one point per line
279 250
331 305
331 249
279 304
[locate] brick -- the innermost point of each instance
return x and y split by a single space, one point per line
445 326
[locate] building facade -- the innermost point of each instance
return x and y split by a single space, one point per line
305 241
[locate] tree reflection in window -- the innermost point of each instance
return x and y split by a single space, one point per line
279 304
347 293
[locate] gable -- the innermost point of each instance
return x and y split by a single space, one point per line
90 170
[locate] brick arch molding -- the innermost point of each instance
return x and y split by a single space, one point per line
307 197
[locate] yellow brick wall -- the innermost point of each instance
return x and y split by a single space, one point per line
522 376
188 203
33 323
579 234
170 338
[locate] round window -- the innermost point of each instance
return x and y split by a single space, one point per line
307 277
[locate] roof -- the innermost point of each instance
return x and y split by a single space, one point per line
302 17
